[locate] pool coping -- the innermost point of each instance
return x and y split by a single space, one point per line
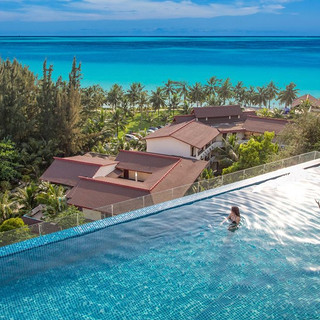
147 211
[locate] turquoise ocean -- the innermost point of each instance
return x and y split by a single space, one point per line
153 60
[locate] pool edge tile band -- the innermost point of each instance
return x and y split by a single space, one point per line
143 212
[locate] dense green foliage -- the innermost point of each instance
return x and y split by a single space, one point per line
302 135
253 153
9 158
11 224
68 218
41 117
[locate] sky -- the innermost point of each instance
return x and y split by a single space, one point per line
160 17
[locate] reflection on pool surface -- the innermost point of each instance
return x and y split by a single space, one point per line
181 264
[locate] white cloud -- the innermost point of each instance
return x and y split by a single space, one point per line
138 10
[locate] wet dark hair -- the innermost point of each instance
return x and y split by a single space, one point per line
236 211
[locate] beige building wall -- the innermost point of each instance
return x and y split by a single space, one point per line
169 146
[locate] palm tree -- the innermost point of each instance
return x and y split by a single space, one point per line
53 197
271 91
197 94
157 99
239 92
115 96
250 96
27 197
169 90
183 90
212 86
228 153
142 102
118 119
8 206
287 96
261 96
225 91
175 102
133 93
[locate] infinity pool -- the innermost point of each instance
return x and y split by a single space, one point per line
181 264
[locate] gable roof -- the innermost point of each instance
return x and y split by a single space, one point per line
165 172
313 101
67 170
183 118
217 111
262 124
192 132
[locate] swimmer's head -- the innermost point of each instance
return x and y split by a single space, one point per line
236 211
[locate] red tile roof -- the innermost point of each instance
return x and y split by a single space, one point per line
66 171
165 172
261 124
217 111
192 132
183 118
313 101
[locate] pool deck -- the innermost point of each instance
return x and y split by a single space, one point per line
136 214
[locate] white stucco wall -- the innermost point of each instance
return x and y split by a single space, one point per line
104 171
169 146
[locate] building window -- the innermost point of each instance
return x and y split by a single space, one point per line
126 174
193 151
206 118
224 135
229 117
239 116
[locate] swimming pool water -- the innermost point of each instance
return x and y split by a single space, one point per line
181 264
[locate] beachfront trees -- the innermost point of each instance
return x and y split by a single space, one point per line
114 96
142 102
197 94
157 100
271 92
92 99
239 92
261 96
169 90
183 90
287 96
225 91
175 103
255 152
118 120
211 86
134 92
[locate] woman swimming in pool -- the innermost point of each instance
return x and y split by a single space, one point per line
234 217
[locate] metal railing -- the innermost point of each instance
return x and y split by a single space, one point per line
203 185
43 228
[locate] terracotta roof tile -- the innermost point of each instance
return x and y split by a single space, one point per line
217 111
192 132
314 101
262 124
66 171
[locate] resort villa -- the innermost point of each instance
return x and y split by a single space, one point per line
176 155
313 102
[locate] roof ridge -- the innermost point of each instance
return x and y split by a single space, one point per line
185 124
111 182
87 163
159 155
267 118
